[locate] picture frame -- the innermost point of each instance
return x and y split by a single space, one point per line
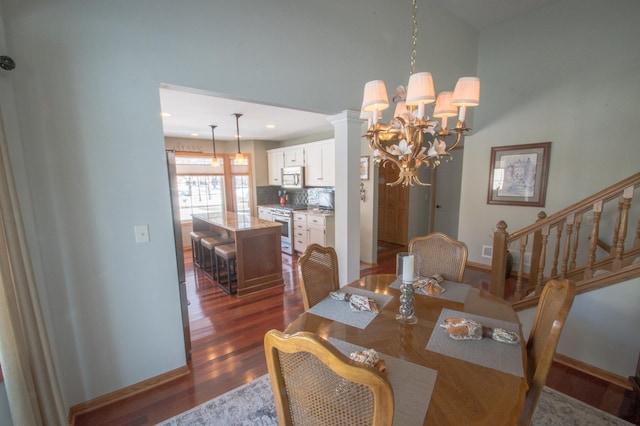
518 174
364 167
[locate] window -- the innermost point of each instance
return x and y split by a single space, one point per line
200 194
205 188
241 193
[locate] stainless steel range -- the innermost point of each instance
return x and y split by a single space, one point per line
284 216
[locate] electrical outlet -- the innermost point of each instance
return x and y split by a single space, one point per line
142 233
487 251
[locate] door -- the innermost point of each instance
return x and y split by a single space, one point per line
393 207
177 233
446 188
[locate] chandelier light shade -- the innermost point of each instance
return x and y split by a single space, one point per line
466 93
444 109
411 138
215 161
375 98
420 91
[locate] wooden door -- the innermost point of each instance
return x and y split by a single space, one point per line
393 207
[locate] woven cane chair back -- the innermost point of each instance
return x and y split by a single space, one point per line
318 273
440 254
314 384
554 305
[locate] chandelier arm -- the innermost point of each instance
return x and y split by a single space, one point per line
387 156
458 139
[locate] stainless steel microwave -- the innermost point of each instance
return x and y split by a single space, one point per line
292 177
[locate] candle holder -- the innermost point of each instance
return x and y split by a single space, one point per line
407 271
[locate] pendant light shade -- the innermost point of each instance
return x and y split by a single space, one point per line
239 157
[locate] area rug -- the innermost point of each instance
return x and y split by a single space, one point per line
252 405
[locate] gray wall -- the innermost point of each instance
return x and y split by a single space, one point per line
82 113
568 73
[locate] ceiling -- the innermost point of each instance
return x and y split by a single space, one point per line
192 111
482 14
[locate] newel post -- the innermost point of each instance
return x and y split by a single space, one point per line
499 260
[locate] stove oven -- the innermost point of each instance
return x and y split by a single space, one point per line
284 216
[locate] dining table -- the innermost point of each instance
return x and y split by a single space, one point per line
436 380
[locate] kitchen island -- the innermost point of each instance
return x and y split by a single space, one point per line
258 255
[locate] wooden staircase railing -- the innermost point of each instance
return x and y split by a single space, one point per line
590 242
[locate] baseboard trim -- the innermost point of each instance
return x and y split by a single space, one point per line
480 266
110 398
607 376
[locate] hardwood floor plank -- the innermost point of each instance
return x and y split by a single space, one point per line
227 349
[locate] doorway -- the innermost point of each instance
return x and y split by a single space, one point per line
393 207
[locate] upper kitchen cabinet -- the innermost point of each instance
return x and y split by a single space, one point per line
320 166
294 156
275 163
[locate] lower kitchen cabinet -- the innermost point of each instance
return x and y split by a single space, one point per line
310 228
264 213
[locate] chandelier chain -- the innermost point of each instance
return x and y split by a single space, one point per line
414 36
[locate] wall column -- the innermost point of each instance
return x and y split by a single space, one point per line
348 132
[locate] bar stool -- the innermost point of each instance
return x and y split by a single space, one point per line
227 255
208 261
196 248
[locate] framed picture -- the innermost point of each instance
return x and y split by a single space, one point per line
518 175
364 167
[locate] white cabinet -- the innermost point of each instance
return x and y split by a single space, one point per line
275 162
320 165
316 157
294 156
321 229
264 213
300 233
310 228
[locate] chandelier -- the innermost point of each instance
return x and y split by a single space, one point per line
412 139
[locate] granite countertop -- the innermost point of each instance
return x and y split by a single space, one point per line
232 221
310 210
315 212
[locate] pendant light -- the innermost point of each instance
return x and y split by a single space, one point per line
215 161
239 157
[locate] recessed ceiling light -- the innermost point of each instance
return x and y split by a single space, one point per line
165 114
271 126
195 134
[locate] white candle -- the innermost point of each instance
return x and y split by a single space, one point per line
462 113
407 268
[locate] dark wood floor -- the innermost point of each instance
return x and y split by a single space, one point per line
227 333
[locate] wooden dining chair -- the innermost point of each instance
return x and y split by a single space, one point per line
318 273
315 384
440 254
554 305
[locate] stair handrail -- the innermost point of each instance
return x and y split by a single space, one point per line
502 240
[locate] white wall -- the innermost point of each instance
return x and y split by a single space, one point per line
568 73
608 341
90 133
5 412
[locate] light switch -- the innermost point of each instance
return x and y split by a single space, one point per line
142 233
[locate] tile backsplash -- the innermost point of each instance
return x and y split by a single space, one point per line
266 195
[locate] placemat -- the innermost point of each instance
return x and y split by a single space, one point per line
456 292
486 352
339 310
412 385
